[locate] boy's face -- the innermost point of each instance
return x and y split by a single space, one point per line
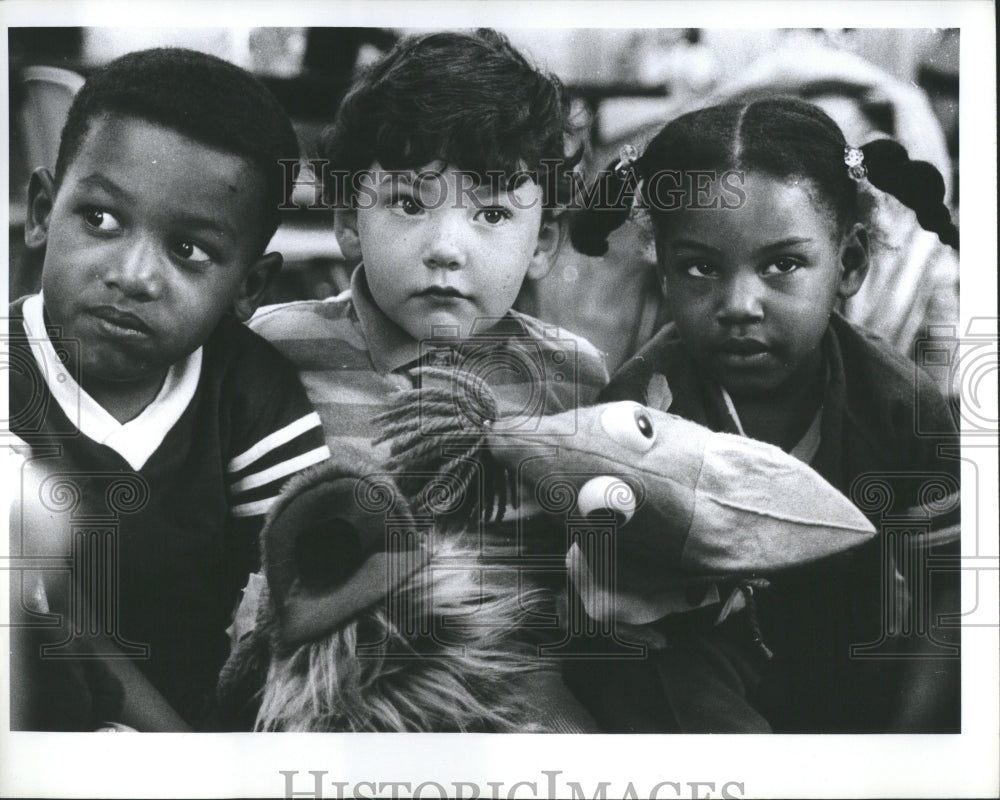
149 239
752 288
439 252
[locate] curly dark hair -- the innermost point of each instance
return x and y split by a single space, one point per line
198 95
466 99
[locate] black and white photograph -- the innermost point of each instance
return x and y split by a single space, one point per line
500 400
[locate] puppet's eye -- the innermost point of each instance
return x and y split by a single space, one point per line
630 425
644 424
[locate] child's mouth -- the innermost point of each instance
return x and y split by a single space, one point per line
441 292
121 324
743 352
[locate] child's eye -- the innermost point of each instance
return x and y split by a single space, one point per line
781 266
406 204
700 270
101 220
189 251
493 215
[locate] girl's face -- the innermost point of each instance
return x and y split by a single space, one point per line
752 288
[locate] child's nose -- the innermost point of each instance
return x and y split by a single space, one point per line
741 300
137 272
445 248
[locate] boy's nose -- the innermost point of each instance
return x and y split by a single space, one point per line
137 273
445 248
741 300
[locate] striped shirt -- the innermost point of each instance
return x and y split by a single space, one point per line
351 358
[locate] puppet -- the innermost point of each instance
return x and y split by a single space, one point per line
394 599
691 507
373 621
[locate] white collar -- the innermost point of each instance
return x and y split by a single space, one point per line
135 440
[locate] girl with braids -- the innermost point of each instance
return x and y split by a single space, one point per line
759 217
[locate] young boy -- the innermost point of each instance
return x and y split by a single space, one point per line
444 163
444 172
135 364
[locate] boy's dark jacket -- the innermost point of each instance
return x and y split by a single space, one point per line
181 555
890 443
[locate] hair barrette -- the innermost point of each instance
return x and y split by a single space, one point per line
627 156
854 158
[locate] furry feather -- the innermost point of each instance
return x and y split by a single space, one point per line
442 428
465 678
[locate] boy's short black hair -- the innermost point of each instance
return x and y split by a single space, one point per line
198 95
467 99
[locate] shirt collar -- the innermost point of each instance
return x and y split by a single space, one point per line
135 440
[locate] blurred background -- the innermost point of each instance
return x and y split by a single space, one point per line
625 84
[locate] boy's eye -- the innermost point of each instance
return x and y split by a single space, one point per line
700 270
191 252
781 266
101 220
493 215
406 204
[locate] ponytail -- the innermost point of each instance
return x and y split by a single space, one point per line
778 136
606 206
916 184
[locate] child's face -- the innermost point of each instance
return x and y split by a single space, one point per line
752 288
149 239
439 253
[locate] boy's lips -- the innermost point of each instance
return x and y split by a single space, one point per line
119 322
442 292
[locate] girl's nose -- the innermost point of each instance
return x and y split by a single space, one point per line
137 273
741 300
445 247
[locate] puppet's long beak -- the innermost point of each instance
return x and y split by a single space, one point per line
758 509
706 503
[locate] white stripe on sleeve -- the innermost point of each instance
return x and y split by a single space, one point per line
281 470
254 509
274 440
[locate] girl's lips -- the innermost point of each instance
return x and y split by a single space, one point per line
743 347
743 353
730 359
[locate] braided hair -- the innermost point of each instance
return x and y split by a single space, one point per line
783 137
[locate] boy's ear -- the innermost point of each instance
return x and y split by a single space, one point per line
41 196
854 259
257 280
345 226
550 239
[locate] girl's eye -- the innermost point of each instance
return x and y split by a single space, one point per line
781 266
101 220
494 215
188 251
408 205
700 270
